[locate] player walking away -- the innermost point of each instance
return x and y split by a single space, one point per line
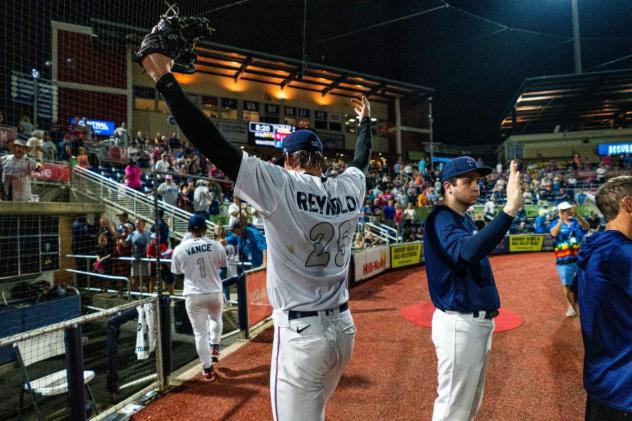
568 233
462 287
309 222
604 289
200 259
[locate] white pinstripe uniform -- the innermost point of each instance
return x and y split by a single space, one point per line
309 223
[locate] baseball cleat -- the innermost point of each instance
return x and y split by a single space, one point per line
208 374
215 354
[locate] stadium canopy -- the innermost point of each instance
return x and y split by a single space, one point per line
253 66
587 101
239 63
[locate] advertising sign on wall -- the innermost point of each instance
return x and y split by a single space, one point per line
371 261
528 242
259 307
406 254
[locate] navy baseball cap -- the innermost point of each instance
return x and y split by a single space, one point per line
197 222
300 140
462 165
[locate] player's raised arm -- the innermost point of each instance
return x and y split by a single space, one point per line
364 142
201 131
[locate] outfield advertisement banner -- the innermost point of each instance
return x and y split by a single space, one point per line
526 242
370 261
406 254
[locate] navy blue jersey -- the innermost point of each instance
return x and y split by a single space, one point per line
604 288
459 274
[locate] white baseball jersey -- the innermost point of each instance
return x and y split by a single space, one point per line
199 259
309 223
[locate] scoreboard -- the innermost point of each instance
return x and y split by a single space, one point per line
268 134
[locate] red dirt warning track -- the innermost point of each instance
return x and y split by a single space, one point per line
535 370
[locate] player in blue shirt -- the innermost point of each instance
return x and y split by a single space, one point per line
604 290
462 287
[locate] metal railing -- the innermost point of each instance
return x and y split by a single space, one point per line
135 203
386 233
88 346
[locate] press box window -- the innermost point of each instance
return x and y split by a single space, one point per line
209 106
320 120
228 109
251 111
290 116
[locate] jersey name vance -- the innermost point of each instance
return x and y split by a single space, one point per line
201 248
325 205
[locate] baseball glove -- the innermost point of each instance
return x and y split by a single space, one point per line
175 37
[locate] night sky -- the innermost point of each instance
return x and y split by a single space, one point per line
475 63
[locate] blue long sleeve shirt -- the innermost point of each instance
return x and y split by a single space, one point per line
459 274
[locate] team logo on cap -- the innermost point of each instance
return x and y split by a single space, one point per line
471 162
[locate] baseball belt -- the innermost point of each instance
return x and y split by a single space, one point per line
294 314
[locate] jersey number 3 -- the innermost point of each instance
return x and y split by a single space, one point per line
322 234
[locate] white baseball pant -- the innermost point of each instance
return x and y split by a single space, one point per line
205 310
463 344
308 358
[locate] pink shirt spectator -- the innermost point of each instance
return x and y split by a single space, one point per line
132 176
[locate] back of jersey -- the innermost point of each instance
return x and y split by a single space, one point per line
309 223
199 259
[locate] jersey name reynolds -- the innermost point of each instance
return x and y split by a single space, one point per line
324 205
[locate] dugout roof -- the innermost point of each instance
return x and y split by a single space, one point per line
573 102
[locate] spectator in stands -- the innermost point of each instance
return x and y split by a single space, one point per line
568 233
138 241
541 222
399 217
25 126
153 250
1 118
163 228
163 165
489 211
49 149
132 175
201 199
250 243
86 129
580 197
83 244
122 267
389 212
187 195
82 159
174 142
169 191
121 135
358 241
370 238
123 218
601 172
409 215
34 145
140 139
16 173
103 263
106 227
234 211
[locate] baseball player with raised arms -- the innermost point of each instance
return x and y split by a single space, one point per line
462 287
199 260
309 222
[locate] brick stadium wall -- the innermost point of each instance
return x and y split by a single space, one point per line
97 105
93 62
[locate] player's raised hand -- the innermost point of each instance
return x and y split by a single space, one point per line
361 106
514 191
